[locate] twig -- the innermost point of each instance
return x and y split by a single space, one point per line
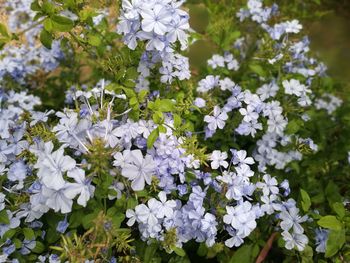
266 249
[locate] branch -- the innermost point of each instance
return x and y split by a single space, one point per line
264 252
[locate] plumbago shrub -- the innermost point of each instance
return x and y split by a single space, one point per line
113 149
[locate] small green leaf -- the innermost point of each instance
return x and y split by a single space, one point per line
242 255
142 94
94 40
152 138
179 251
305 200
3 31
150 250
162 129
132 202
48 24
257 69
61 23
335 242
48 7
39 247
28 233
164 105
46 39
330 222
88 220
4 219
133 101
157 117
177 121
339 209
35 6
117 219
293 126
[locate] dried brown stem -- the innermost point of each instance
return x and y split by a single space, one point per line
265 251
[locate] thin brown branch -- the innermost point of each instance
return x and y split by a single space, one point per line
265 251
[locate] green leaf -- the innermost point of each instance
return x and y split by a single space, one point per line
152 138
10 233
46 39
48 7
94 40
88 220
157 117
39 247
3 31
179 251
17 242
330 222
133 101
164 105
61 23
35 6
332 193
335 242
202 250
306 255
339 209
242 255
28 233
305 200
149 252
142 95
4 219
132 202
129 83
257 69
117 219
48 24
76 218
162 129
293 126
177 121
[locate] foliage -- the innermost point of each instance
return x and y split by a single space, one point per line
114 148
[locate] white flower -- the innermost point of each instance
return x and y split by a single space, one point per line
132 217
81 187
166 208
249 113
291 219
227 84
235 241
241 218
293 86
38 116
139 170
293 26
218 159
156 19
240 157
277 124
294 240
217 120
52 166
145 214
270 185
57 200
121 159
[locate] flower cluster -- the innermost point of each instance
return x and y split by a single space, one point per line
25 60
160 25
126 171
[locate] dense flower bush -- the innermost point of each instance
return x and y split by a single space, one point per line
115 149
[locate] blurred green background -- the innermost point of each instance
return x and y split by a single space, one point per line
327 22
